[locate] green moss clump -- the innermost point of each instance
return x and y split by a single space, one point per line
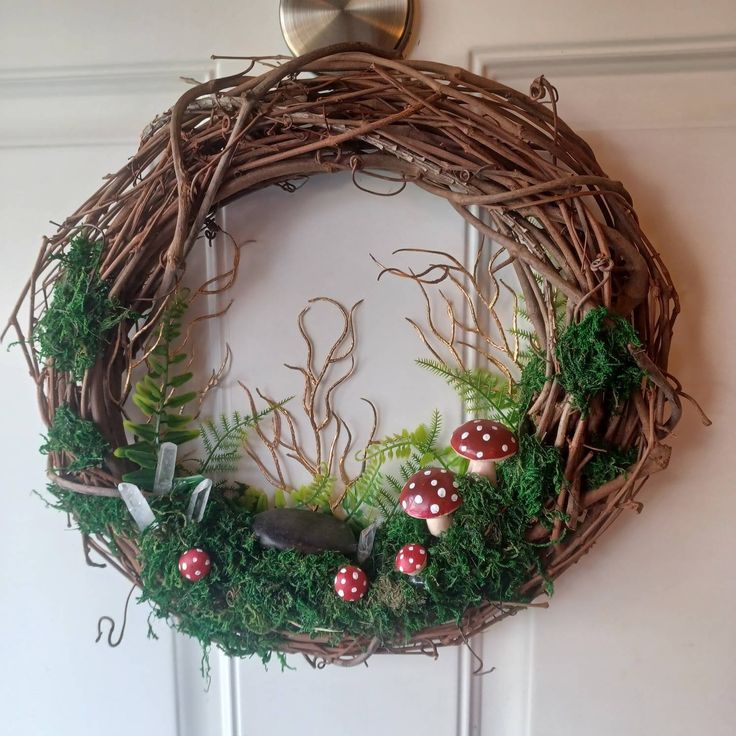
594 357
74 329
484 554
533 475
94 515
607 465
77 437
531 381
253 594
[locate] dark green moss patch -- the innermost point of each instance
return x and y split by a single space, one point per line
533 475
76 325
594 358
253 594
607 465
77 437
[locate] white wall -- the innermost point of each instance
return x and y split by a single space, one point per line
638 639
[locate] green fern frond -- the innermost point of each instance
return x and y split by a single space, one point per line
160 397
431 433
377 492
364 492
483 394
223 440
315 495
400 446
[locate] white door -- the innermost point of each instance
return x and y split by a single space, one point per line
639 637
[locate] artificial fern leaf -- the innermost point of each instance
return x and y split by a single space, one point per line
376 491
157 396
315 495
483 394
223 440
180 380
176 402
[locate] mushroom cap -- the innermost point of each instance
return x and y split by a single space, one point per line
351 583
195 564
484 439
411 559
430 493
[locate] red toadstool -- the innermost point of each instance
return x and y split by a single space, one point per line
351 583
431 494
484 442
411 559
195 564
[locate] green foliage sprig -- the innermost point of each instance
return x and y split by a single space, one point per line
77 437
160 398
483 394
223 440
75 328
377 491
315 495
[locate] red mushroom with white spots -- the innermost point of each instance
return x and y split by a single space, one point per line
195 564
431 494
411 559
484 442
351 583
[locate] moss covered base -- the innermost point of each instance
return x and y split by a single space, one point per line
254 595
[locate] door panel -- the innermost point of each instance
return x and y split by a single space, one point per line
318 242
629 631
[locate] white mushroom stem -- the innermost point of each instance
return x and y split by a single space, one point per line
486 468
439 525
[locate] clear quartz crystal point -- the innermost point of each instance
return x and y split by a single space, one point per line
165 468
137 505
198 500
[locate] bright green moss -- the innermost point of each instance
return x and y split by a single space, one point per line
594 358
77 437
75 328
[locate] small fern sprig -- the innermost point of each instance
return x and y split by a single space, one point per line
375 491
483 394
223 440
315 496
160 398
366 490
402 444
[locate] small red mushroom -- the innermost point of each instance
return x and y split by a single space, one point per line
484 442
411 559
351 583
431 494
195 564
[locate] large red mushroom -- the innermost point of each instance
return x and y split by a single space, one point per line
431 494
484 442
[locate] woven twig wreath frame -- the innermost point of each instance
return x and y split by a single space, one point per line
473 142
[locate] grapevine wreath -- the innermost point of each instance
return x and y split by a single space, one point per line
568 399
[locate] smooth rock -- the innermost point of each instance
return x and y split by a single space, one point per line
305 531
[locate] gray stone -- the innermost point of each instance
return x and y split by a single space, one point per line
305 531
